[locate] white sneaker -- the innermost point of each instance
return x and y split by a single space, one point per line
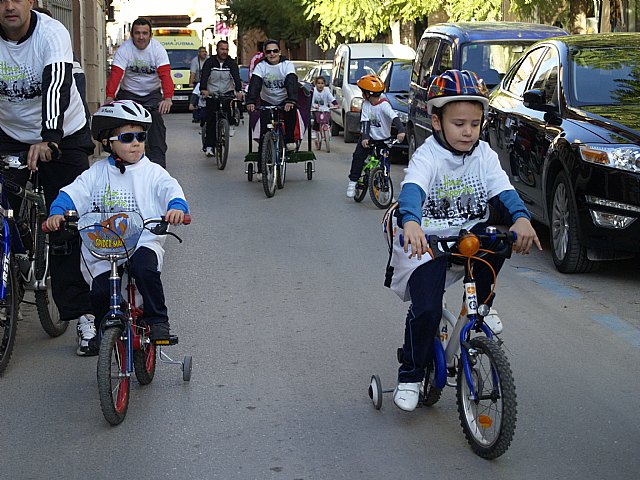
493 321
232 131
258 177
291 147
406 396
86 331
209 152
351 189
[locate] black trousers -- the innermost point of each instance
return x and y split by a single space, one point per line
143 265
69 289
357 160
213 105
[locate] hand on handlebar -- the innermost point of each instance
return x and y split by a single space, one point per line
526 236
174 216
414 235
400 137
53 223
41 152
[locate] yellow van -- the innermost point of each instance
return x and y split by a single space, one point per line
182 46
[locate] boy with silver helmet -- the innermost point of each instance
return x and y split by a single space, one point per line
126 181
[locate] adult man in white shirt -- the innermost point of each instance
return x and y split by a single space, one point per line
41 112
142 64
195 71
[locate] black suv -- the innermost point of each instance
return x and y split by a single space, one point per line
486 48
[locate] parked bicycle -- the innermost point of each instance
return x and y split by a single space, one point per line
125 343
25 259
468 353
376 175
220 148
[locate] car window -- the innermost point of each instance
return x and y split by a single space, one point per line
400 77
546 78
605 76
358 67
446 59
490 61
426 62
181 59
339 71
518 81
384 71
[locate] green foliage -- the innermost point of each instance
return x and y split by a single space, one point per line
279 19
466 10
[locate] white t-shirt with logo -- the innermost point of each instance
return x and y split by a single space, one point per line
21 68
380 117
141 66
322 100
273 90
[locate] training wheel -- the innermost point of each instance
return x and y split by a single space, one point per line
375 392
250 172
186 368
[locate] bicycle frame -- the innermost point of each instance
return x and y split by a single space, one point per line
276 125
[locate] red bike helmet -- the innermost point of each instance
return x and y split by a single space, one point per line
371 84
455 86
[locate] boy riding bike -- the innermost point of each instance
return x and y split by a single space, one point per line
126 181
448 185
376 119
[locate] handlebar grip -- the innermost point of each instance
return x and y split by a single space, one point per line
187 219
45 229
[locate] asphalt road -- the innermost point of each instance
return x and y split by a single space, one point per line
281 304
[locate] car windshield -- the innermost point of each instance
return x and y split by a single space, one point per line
490 61
359 67
400 77
605 76
181 59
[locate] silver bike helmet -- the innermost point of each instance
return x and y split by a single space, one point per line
116 114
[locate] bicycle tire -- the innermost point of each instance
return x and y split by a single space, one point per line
327 138
48 313
282 165
267 161
361 188
222 147
488 423
144 361
8 318
380 188
429 393
113 383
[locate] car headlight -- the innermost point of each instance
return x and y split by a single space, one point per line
622 157
404 117
356 104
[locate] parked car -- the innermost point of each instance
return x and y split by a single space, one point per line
486 48
350 62
565 122
396 75
303 67
322 69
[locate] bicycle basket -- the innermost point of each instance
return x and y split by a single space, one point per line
110 233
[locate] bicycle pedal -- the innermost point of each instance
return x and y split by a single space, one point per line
172 340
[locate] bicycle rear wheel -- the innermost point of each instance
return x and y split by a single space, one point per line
222 147
489 421
8 319
113 382
281 164
268 164
47 310
380 188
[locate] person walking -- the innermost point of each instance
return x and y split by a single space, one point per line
142 65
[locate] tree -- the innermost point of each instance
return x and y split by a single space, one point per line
278 19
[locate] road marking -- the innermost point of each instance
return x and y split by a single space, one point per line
555 287
622 329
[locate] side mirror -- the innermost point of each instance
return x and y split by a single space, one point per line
536 100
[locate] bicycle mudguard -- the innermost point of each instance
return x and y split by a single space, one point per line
440 364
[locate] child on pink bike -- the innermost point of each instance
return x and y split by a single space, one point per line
322 101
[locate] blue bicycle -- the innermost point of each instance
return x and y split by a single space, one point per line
468 354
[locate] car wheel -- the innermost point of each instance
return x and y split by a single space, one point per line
335 128
568 254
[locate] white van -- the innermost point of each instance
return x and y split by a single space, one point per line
350 62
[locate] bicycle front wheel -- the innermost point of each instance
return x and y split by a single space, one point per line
268 162
361 188
113 381
47 310
8 319
380 188
222 147
489 420
326 133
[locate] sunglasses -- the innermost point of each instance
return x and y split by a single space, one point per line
275 50
129 137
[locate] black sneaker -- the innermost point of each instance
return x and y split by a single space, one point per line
160 331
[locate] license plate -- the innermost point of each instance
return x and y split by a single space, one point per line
180 97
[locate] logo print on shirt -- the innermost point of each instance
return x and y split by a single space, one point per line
142 66
19 83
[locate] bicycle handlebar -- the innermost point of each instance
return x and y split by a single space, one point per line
71 221
19 160
468 243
